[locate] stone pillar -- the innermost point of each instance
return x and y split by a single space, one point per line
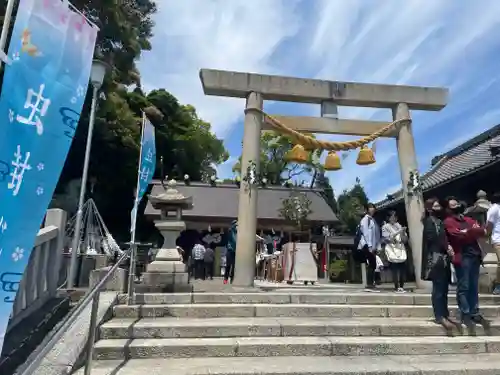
414 203
247 206
58 218
168 259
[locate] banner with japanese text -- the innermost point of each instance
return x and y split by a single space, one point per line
43 92
147 166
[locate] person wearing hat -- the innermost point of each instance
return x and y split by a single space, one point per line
231 252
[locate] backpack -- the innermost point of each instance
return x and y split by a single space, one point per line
357 237
357 254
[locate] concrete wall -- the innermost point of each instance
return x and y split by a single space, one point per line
39 282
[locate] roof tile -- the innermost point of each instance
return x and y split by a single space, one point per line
222 201
453 166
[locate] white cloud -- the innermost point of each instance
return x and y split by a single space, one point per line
387 42
219 34
429 43
225 169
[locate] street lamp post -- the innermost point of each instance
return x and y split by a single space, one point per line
96 79
5 30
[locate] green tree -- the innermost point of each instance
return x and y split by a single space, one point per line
273 164
183 139
322 182
358 192
351 207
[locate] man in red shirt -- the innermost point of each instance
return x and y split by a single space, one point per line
463 233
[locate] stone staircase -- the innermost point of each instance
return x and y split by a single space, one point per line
291 332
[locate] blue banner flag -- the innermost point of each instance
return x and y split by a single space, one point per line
43 92
147 166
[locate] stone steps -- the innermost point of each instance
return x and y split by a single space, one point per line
293 346
325 297
214 310
479 364
273 327
339 332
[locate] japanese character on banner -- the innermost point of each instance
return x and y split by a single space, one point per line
20 166
39 107
144 174
3 225
149 155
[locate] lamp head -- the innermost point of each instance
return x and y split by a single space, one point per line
97 73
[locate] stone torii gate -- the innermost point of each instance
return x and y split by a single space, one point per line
256 88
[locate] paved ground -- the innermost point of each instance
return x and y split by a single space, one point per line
216 285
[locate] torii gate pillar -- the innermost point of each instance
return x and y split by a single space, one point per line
247 207
414 202
257 87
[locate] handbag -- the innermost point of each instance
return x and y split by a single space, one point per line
396 252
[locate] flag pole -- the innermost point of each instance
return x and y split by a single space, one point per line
5 27
133 246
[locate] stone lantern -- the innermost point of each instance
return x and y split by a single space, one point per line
167 273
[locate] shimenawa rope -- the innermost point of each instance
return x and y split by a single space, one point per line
315 144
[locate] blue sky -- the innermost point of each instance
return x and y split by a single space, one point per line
449 43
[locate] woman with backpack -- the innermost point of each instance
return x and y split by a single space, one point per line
394 239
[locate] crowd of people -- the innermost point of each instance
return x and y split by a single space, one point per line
449 246
201 263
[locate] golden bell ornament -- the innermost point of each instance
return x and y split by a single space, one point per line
365 156
297 155
332 162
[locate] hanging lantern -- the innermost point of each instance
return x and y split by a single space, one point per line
332 162
366 156
297 155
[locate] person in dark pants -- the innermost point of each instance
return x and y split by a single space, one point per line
370 244
463 233
198 255
231 252
436 260
394 238
209 261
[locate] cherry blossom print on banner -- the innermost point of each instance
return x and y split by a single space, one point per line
43 92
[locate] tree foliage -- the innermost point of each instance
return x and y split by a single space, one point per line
273 164
296 208
322 182
351 205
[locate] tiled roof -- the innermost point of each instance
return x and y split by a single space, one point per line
460 161
221 201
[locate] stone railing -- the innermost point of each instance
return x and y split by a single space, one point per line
41 277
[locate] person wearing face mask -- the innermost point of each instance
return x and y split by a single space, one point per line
436 260
463 233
